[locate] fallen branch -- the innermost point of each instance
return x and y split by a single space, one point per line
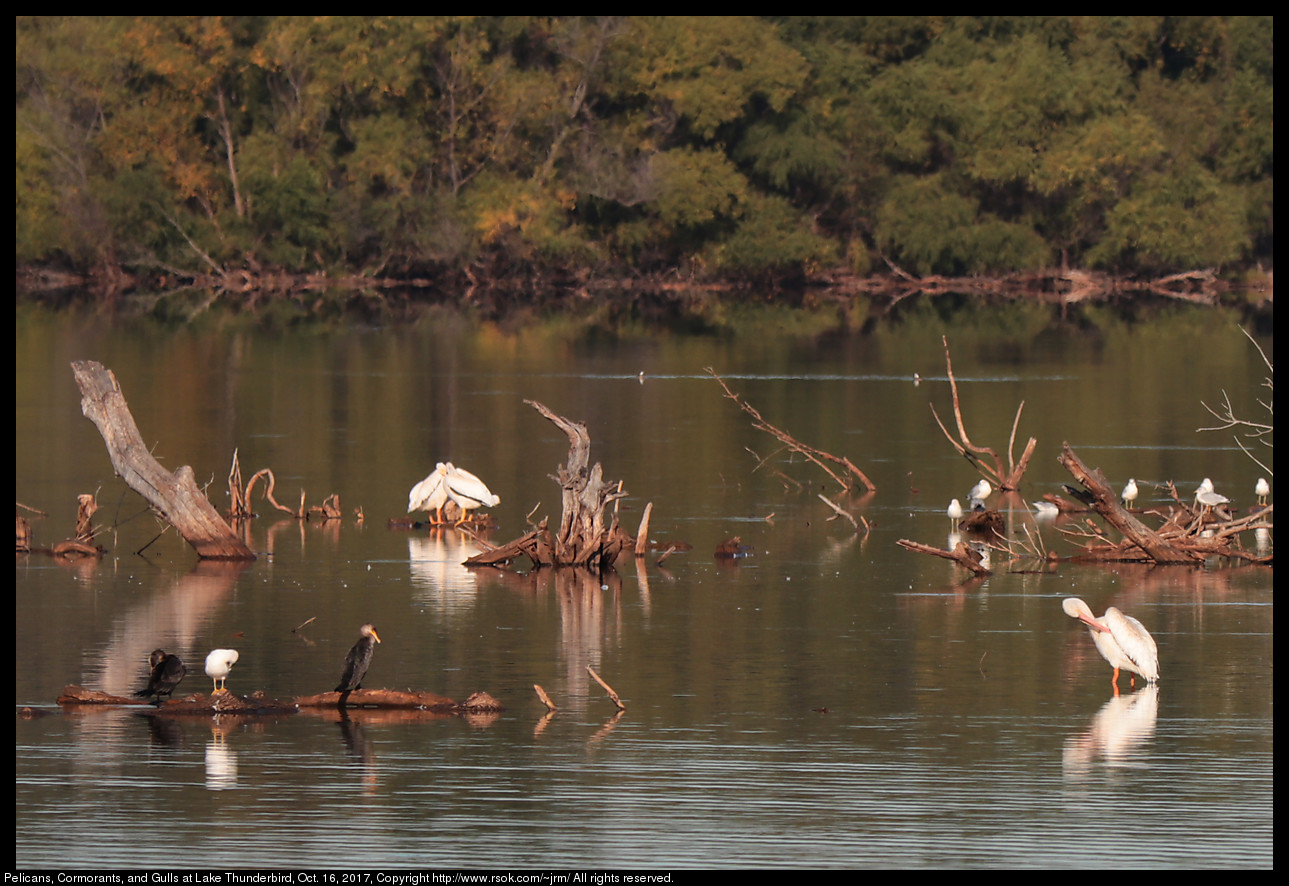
818 456
175 496
607 688
961 554
1006 480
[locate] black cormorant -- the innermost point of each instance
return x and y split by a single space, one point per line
358 660
167 671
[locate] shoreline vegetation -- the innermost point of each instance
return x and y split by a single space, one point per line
525 161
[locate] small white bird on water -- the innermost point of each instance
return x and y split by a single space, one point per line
1045 510
218 664
1122 640
1129 493
954 511
1263 489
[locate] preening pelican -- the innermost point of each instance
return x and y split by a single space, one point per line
1263 489
431 494
1121 639
1129 493
980 491
358 660
218 664
468 492
954 511
167 671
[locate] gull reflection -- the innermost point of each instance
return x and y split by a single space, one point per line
1118 734
221 761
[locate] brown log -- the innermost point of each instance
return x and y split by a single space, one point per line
961 554
1105 501
176 496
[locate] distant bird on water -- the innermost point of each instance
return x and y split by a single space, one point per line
358 660
1129 493
954 511
1122 640
1263 489
1045 510
218 664
167 671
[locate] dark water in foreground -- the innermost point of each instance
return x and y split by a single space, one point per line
829 701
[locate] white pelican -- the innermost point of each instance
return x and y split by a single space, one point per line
358 660
468 492
980 491
1121 639
167 671
1263 489
1129 493
954 511
218 664
431 494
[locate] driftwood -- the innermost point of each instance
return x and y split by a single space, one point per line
1006 480
1105 501
389 698
961 554
218 703
175 496
583 540
818 456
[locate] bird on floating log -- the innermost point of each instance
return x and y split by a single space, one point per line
1210 499
431 494
358 660
167 671
1263 489
218 664
1129 494
468 491
1122 640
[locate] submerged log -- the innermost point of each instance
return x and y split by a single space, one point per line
176 496
218 703
961 554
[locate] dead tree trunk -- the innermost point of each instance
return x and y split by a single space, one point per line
177 497
1106 503
583 538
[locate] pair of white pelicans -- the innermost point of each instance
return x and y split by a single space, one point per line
450 483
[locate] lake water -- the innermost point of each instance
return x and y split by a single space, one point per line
831 700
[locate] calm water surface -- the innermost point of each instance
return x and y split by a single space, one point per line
829 701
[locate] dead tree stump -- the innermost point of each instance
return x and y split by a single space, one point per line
177 497
587 537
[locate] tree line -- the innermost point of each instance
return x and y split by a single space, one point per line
713 147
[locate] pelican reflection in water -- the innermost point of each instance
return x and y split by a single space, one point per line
1122 640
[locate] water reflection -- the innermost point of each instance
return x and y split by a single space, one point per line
1119 735
221 759
437 566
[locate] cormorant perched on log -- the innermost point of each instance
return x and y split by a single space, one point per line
358 660
167 671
